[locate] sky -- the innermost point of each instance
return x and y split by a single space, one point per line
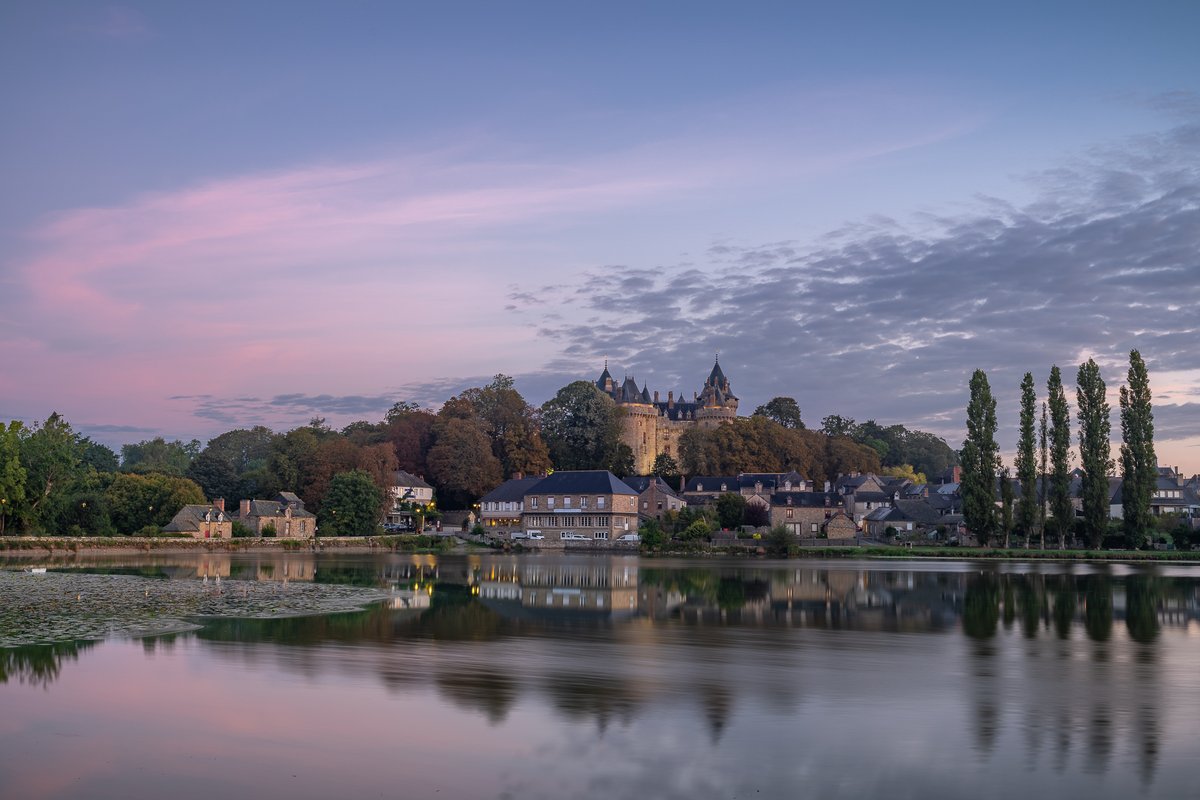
227 214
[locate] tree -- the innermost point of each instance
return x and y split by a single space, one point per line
511 423
981 460
837 425
1094 431
159 455
97 456
652 535
461 463
731 510
666 467
1026 462
780 540
1139 467
1060 457
51 460
1043 448
12 474
1006 506
581 426
135 501
353 505
783 410
622 463
906 472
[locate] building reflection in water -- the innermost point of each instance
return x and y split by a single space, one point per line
1068 661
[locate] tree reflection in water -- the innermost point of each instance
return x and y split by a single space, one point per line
40 664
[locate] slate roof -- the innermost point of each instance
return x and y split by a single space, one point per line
274 508
677 410
641 483
189 518
807 499
590 481
712 483
407 479
513 490
871 497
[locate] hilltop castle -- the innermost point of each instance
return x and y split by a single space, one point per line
651 426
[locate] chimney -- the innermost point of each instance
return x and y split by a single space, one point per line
244 509
219 503
518 475
656 396
670 398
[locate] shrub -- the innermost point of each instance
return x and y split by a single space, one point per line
780 540
241 530
148 530
268 529
478 530
652 535
697 530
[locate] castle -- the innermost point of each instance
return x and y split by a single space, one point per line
651 426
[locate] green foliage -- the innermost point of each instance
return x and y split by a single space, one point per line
269 531
135 501
622 463
667 468
780 541
1094 431
353 506
241 531
652 535
783 410
906 472
51 460
97 456
12 474
1060 457
731 510
159 455
980 460
1026 461
581 426
1139 466
700 529
1006 505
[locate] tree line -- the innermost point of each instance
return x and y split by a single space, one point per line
1043 461
54 480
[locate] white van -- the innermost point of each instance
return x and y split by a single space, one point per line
534 535
629 537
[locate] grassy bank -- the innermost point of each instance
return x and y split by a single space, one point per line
16 545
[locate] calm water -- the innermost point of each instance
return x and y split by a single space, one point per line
558 677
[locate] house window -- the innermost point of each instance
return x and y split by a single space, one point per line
302 526
645 504
534 503
599 502
789 513
814 527
583 503
549 502
600 535
566 502
660 505
287 528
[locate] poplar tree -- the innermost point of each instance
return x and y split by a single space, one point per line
980 460
1139 467
1026 463
1094 449
1043 477
1060 457
1006 505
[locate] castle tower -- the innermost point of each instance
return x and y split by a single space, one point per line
716 401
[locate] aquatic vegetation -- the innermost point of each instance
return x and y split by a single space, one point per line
57 607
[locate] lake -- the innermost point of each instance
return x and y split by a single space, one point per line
551 676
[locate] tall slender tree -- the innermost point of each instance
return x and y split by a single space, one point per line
1094 450
981 460
1060 457
1006 506
1139 467
1044 472
1026 463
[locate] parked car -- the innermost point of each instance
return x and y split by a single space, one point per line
574 537
534 535
630 537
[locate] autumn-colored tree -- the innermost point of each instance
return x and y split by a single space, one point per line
512 425
461 463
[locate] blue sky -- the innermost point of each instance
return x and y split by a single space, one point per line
229 213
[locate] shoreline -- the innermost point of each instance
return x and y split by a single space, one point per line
42 546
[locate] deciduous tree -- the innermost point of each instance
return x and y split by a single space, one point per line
783 410
581 426
12 474
353 505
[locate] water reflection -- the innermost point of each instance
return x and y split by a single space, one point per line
1068 665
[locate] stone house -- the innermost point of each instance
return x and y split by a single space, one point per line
202 521
655 497
285 514
406 489
804 514
906 517
500 509
589 504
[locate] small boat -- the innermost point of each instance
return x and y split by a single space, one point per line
37 570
